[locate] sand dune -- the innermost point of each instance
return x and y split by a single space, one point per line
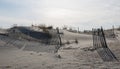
25 54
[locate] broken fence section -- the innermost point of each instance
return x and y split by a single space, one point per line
99 43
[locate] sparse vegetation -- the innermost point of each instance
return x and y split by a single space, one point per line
76 41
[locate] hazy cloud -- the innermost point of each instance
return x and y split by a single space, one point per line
82 13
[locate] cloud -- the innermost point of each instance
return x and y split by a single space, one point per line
83 13
9 21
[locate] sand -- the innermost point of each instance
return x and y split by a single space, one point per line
34 55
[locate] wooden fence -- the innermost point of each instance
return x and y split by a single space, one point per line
100 44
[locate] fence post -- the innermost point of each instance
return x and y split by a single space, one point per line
58 32
104 40
113 32
59 41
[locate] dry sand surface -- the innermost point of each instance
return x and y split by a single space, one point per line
34 55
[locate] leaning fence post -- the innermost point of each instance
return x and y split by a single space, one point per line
59 41
103 35
58 32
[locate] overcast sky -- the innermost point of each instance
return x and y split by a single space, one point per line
77 13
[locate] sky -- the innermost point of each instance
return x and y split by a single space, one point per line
85 14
